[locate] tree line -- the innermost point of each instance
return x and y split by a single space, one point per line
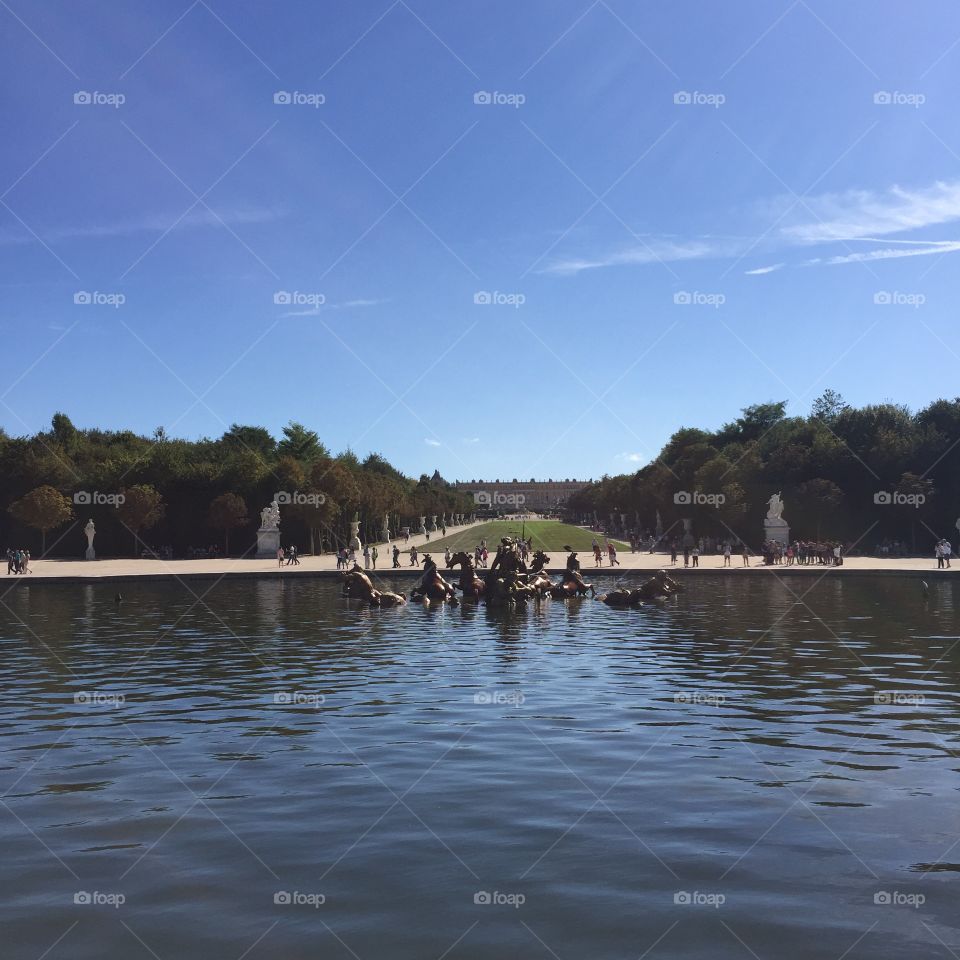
861 475
167 491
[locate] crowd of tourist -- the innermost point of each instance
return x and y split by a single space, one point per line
18 561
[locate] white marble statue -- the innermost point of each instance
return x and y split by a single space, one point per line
91 531
775 507
270 517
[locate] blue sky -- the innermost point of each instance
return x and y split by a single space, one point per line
662 213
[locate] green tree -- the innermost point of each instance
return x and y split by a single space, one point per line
142 509
302 444
225 513
255 439
44 508
828 406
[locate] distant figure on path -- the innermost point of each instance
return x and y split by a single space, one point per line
373 557
612 554
726 554
280 556
414 561
396 557
366 556
673 553
745 553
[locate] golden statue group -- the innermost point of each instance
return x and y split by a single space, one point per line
509 580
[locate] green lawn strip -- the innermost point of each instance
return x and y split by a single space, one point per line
547 535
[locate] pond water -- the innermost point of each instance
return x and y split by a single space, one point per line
261 769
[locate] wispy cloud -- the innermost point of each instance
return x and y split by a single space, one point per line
862 214
151 223
431 443
346 305
471 439
891 253
850 217
632 457
652 250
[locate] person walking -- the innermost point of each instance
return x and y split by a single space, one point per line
396 557
686 555
673 553
947 551
612 554
695 553
414 561
938 553
745 553
597 555
280 556
373 556
726 554
366 556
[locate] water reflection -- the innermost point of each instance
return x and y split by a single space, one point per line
790 745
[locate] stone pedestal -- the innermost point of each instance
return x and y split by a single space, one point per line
776 529
268 543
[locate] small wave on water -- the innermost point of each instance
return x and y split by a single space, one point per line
598 780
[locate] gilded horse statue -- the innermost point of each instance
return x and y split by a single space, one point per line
660 587
432 587
471 586
358 586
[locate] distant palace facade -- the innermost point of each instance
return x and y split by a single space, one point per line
513 496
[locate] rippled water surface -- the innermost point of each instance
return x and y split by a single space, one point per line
757 769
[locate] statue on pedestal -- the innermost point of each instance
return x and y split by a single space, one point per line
354 542
774 526
385 531
268 536
91 531
432 525
423 526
